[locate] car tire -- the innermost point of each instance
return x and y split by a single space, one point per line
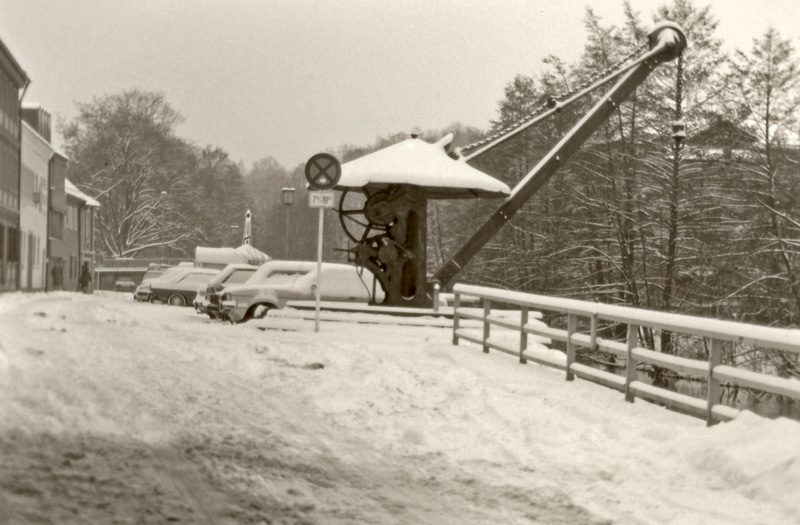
176 300
259 311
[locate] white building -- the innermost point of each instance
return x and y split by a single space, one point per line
35 163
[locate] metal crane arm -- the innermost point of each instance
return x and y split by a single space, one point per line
667 41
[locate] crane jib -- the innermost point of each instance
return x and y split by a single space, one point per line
667 41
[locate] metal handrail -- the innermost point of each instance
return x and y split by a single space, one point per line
714 330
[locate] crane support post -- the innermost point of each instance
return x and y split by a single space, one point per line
666 41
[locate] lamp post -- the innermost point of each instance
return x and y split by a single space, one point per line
234 229
287 195
161 199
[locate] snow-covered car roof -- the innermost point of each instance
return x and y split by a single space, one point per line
177 272
229 270
419 163
303 269
244 254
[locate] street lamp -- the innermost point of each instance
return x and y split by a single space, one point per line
161 199
287 194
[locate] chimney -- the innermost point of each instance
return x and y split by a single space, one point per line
38 119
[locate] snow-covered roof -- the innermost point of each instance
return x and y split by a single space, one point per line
73 190
419 163
244 254
59 152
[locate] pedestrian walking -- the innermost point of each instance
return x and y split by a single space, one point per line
57 274
85 280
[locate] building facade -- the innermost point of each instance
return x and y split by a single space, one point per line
12 80
35 155
62 234
81 209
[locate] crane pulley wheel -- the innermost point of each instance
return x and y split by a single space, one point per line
373 215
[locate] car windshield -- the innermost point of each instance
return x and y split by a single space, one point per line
197 278
149 275
239 276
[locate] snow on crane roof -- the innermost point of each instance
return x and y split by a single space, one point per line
419 163
73 190
244 254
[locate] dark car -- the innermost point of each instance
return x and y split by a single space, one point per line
143 293
124 284
181 290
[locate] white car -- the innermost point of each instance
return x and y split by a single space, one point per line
340 283
212 295
231 274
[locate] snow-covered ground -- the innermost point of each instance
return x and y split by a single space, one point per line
113 411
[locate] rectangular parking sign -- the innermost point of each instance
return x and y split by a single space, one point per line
321 199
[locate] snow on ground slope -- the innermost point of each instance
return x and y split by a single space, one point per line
113 411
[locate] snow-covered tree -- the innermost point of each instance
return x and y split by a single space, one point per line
123 150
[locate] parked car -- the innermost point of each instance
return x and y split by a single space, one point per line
231 274
340 283
181 289
213 292
124 284
143 292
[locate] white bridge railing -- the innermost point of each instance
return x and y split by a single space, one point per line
715 331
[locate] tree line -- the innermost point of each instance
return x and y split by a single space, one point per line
704 225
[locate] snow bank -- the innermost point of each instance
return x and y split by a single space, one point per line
756 457
114 410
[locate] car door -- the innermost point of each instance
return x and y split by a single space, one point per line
343 285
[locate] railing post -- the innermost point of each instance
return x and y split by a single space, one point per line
593 334
487 307
630 366
714 387
456 303
572 326
523 335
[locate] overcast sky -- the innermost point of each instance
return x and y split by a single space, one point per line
290 78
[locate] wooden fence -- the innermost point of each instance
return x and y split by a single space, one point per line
591 314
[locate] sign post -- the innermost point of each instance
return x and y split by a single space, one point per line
323 172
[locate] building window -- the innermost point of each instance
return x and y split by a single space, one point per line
56 225
71 222
13 245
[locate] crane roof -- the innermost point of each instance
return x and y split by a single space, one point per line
419 163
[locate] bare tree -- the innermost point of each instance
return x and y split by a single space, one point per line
123 150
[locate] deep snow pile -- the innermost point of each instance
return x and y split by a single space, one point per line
114 411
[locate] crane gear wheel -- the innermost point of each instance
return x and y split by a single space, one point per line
353 214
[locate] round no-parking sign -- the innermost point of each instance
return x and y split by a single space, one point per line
323 171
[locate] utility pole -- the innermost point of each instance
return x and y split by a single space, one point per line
161 200
287 194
